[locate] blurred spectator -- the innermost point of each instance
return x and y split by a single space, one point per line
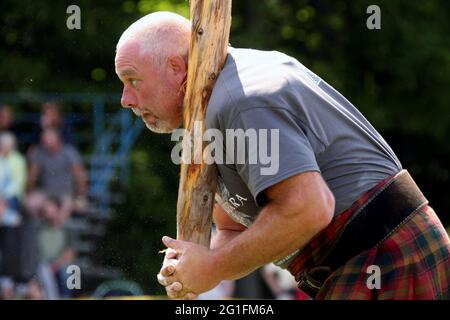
52 117
12 180
57 170
30 291
56 250
12 183
7 120
224 290
252 286
7 288
282 283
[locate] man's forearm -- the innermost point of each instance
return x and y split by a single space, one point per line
276 233
222 237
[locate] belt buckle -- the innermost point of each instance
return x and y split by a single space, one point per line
312 280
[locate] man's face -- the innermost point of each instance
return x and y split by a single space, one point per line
50 141
148 91
51 115
6 146
5 118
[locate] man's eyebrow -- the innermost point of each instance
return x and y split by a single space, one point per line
127 73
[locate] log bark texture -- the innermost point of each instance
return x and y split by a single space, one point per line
211 22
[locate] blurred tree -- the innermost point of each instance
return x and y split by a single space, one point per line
134 233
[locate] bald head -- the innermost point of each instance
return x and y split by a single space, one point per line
159 36
151 61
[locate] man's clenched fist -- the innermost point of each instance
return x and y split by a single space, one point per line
174 288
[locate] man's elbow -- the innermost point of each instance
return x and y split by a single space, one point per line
317 212
325 211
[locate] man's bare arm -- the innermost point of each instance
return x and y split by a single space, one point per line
298 208
226 228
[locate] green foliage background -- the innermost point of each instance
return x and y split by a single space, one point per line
398 77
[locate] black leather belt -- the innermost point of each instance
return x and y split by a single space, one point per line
370 226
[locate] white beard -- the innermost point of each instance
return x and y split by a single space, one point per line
136 112
161 127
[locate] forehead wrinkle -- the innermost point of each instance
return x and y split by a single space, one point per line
127 55
127 73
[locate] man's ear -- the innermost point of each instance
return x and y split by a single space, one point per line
177 70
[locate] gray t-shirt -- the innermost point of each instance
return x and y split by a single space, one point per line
56 174
318 130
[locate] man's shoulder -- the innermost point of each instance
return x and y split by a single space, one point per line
248 72
250 78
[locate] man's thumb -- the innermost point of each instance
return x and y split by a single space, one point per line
171 243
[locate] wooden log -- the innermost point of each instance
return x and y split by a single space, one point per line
211 22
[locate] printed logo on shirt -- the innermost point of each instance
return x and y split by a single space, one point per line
237 201
222 197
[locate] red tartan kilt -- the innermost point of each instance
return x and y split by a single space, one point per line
414 260
414 263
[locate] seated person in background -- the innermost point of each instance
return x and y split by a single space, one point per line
52 117
12 184
13 173
55 243
57 170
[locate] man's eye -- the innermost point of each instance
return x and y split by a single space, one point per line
133 83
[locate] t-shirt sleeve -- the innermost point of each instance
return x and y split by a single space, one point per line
281 150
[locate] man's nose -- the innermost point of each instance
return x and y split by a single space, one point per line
128 100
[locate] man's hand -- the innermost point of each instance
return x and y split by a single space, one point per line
297 209
187 270
165 277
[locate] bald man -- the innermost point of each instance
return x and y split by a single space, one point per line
339 212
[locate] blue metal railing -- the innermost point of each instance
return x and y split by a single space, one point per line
111 151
